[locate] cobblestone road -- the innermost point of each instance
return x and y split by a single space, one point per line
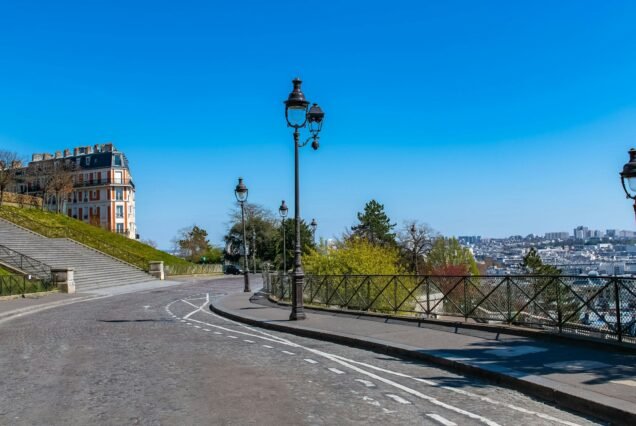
161 357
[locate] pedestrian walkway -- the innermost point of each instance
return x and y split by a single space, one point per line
598 382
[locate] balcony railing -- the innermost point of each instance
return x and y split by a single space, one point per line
600 307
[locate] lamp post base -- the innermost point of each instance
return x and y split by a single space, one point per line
297 314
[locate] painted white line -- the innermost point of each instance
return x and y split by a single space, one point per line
371 401
288 353
232 337
335 370
441 419
367 383
206 329
268 346
248 341
216 332
183 320
398 398
311 361
197 326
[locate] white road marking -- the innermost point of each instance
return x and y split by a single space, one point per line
216 332
367 383
232 337
311 361
441 419
397 398
197 326
248 341
348 363
387 411
626 382
206 329
371 401
183 320
288 353
268 346
335 370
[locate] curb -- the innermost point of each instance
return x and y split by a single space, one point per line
578 400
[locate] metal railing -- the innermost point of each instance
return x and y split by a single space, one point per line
21 284
78 236
601 307
24 263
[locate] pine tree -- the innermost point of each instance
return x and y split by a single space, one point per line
375 226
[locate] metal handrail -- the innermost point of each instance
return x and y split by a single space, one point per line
597 306
25 263
78 236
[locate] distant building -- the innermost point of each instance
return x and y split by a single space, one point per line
581 233
474 239
103 190
557 235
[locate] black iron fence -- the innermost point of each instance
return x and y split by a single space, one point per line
21 284
601 307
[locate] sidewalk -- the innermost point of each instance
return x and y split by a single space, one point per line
595 382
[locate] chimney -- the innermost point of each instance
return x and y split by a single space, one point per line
96 148
58 154
67 152
107 147
16 164
88 149
36 157
75 152
47 156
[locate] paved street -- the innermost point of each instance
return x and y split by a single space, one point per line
161 357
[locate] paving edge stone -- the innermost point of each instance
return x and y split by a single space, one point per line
578 400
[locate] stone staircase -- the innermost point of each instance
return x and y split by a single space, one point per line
93 269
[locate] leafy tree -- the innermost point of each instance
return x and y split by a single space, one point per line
533 264
355 256
415 241
193 243
448 257
307 245
375 226
213 255
259 221
9 163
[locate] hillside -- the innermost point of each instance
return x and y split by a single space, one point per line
59 226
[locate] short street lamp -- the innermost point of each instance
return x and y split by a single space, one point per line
241 196
629 174
298 116
413 231
283 210
313 225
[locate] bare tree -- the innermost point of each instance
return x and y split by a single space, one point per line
9 164
61 181
415 240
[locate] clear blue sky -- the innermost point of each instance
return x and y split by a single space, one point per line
490 118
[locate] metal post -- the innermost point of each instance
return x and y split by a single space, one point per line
284 249
508 297
617 301
298 312
254 250
558 300
428 298
246 265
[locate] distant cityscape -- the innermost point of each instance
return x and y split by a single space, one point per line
585 251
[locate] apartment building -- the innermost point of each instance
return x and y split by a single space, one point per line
103 191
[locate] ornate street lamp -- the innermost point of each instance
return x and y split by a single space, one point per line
629 174
313 225
298 116
241 196
283 210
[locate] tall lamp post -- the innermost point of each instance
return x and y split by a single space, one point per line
313 225
629 174
283 210
413 231
298 116
240 192
253 250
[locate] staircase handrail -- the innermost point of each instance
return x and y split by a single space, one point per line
25 263
66 232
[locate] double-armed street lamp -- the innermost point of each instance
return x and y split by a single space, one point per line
283 210
313 226
298 115
240 192
628 177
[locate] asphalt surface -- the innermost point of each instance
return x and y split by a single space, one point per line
161 357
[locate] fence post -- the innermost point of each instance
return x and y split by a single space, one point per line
465 301
428 298
617 300
23 285
346 286
558 300
508 299
395 304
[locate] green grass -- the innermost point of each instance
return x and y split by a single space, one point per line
4 272
59 225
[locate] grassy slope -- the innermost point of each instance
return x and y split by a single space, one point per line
59 220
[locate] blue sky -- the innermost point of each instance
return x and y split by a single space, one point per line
489 118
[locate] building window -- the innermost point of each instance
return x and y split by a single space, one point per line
118 160
119 211
119 228
119 194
